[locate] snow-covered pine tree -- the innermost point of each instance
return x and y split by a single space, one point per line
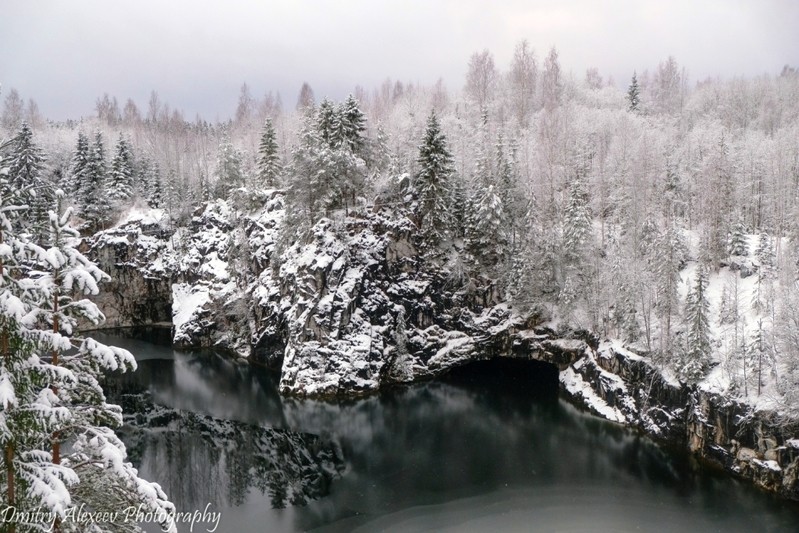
762 295
91 469
205 193
619 281
433 182
759 355
648 236
150 182
311 183
24 406
25 172
765 252
567 297
488 240
483 165
727 312
94 202
741 353
30 387
527 269
350 175
634 94
721 205
673 193
461 207
381 159
513 199
229 174
737 244
120 179
78 171
172 194
344 153
327 121
668 259
353 126
577 220
269 167
696 356
140 170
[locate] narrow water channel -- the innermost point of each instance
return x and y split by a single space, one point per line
491 447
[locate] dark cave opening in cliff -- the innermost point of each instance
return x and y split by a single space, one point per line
524 378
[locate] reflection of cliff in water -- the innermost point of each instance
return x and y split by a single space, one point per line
479 435
198 459
488 440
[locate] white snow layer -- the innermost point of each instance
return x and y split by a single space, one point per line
577 387
187 301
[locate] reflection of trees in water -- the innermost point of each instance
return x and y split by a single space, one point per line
158 373
199 459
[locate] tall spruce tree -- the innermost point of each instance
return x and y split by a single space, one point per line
696 356
577 220
327 121
25 171
120 179
668 259
765 252
759 355
229 172
433 182
312 183
353 126
737 244
150 182
78 170
460 207
634 95
94 202
269 167
763 294
19 371
488 236
348 151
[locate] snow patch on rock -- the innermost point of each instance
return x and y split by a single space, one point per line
580 389
188 302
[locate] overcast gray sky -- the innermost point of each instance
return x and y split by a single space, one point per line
196 54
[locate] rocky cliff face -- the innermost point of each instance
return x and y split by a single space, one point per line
354 307
133 254
627 388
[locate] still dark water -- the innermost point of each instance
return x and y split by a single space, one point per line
492 448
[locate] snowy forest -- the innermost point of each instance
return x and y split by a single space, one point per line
660 212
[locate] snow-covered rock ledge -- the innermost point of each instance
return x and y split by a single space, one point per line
355 308
623 387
